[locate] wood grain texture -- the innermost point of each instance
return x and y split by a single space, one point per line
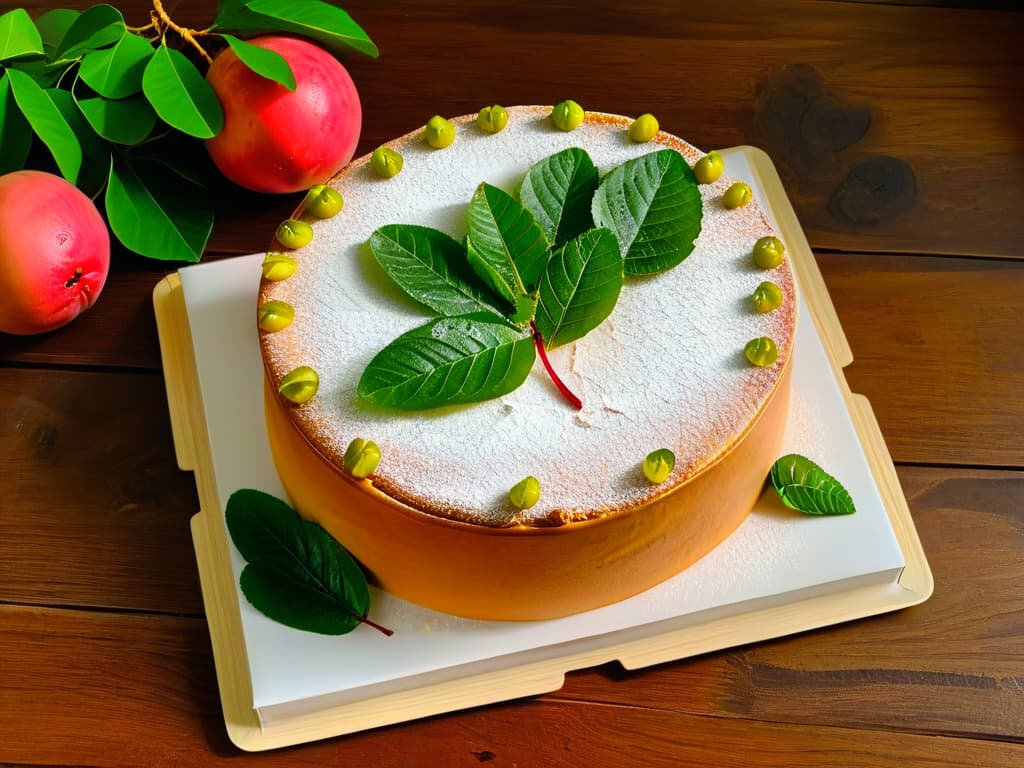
152 701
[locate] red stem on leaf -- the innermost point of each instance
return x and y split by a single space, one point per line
383 630
538 341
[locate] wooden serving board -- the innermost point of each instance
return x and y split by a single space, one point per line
250 731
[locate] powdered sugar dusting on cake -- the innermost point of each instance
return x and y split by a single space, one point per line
666 369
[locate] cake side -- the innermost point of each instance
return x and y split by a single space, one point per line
666 369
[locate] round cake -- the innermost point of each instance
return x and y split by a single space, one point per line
434 522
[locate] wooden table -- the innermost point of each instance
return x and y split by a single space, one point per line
897 128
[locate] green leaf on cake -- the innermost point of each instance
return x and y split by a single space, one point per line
264 62
325 23
180 95
505 245
19 36
558 192
580 287
806 487
96 27
653 206
448 361
116 72
296 573
47 122
431 267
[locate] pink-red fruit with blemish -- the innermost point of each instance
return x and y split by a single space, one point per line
54 252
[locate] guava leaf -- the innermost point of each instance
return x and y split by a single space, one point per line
297 574
265 63
431 267
806 487
652 204
180 95
122 121
96 27
558 192
53 26
15 132
327 24
116 72
47 123
505 245
95 152
448 361
19 36
157 214
580 287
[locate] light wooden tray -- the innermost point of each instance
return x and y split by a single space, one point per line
220 594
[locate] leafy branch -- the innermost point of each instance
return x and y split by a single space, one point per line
95 100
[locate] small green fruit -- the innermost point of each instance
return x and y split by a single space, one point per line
323 201
439 132
361 458
567 115
299 386
492 119
386 162
737 196
709 168
294 233
274 316
766 297
761 351
658 465
525 493
768 252
644 128
278 266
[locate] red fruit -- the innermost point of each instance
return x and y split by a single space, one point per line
276 140
54 252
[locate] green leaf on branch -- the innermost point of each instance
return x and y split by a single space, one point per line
180 95
53 26
431 267
653 206
268 64
448 361
558 192
95 152
806 487
121 121
15 132
580 287
506 246
157 214
96 27
327 24
48 123
297 574
116 72
19 36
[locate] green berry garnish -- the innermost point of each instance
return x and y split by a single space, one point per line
709 168
644 128
492 119
658 465
768 252
567 115
278 266
525 493
323 201
274 316
737 196
299 385
294 233
361 458
439 132
761 351
386 162
766 297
